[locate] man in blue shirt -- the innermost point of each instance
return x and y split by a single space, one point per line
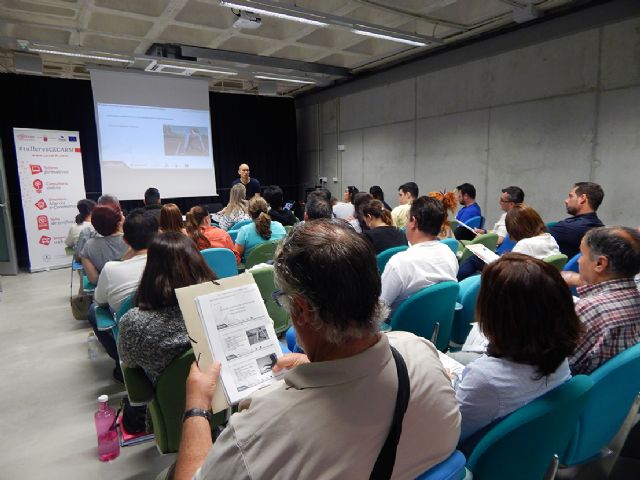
470 209
582 202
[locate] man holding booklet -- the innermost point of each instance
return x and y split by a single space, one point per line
336 406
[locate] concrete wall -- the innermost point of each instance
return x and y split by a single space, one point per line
541 116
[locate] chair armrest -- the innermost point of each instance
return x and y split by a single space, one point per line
104 319
139 387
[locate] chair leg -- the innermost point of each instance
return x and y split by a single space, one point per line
550 474
436 331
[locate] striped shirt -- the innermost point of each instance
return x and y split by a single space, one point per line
610 312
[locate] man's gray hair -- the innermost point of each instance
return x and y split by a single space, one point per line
335 270
621 246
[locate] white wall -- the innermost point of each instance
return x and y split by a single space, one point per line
541 116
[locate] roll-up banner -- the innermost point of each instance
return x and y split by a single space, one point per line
51 183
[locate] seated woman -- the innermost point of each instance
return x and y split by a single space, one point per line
108 245
153 333
345 209
526 312
261 230
525 227
378 194
450 203
205 236
236 209
171 219
83 219
357 222
382 234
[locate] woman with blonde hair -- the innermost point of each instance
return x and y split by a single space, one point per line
171 219
200 230
261 230
236 209
450 203
382 234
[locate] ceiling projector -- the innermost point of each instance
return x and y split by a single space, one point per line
248 20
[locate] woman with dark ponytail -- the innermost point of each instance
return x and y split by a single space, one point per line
199 229
262 230
83 219
382 234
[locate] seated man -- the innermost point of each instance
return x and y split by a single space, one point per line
348 373
609 305
317 206
426 262
275 198
470 209
152 202
118 280
582 203
407 193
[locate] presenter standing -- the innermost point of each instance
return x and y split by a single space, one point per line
251 184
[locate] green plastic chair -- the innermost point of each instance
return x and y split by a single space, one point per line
489 240
558 261
428 313
384 256
550 224
166 401
263 275
523 445
288 228
462 319
262 253
615 387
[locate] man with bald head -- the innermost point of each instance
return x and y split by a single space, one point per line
251 184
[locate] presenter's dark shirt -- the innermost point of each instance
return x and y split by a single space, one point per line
285 217
569 232
252 187
383 238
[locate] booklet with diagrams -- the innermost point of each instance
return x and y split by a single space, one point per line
227 321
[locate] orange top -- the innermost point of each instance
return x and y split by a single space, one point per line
218 238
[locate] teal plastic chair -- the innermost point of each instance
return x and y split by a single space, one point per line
462 319
222 261
263 275
558 261
105 320
384 256
262 253
87 286
550 224
615 386
240 224
452 243
523 445
450 469
428 313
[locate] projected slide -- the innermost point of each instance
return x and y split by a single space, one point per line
143 137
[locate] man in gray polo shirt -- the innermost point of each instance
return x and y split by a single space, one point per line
331 415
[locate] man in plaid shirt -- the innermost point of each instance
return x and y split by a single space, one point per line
609 304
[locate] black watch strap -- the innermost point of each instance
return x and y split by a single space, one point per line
197 412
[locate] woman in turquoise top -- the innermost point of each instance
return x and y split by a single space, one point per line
262 230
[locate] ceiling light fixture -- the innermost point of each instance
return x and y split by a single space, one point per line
385 36
280 13
79 55
284 79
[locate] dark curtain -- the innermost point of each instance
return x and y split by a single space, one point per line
260 131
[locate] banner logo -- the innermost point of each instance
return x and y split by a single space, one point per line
35 169
37 184
45 138
43 222
41 204
62 138
73 139
44 240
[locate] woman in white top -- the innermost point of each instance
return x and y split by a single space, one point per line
525 227
345 209
527 314
83 219
237 208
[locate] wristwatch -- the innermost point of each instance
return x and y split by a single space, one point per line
197 412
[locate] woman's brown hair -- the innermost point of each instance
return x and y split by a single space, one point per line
522 221
173 261
171 218
195 217
258 209
376 209
526 311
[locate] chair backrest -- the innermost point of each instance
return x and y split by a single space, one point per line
263 275
572 264
489 240
506 245
450 469
125 306
240 224
558 261
422 311
288 228
221 260
523 444
467 297
262 253
384 256
550 224
452 243
615 386
475 222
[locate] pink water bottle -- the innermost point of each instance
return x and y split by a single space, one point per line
105 417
